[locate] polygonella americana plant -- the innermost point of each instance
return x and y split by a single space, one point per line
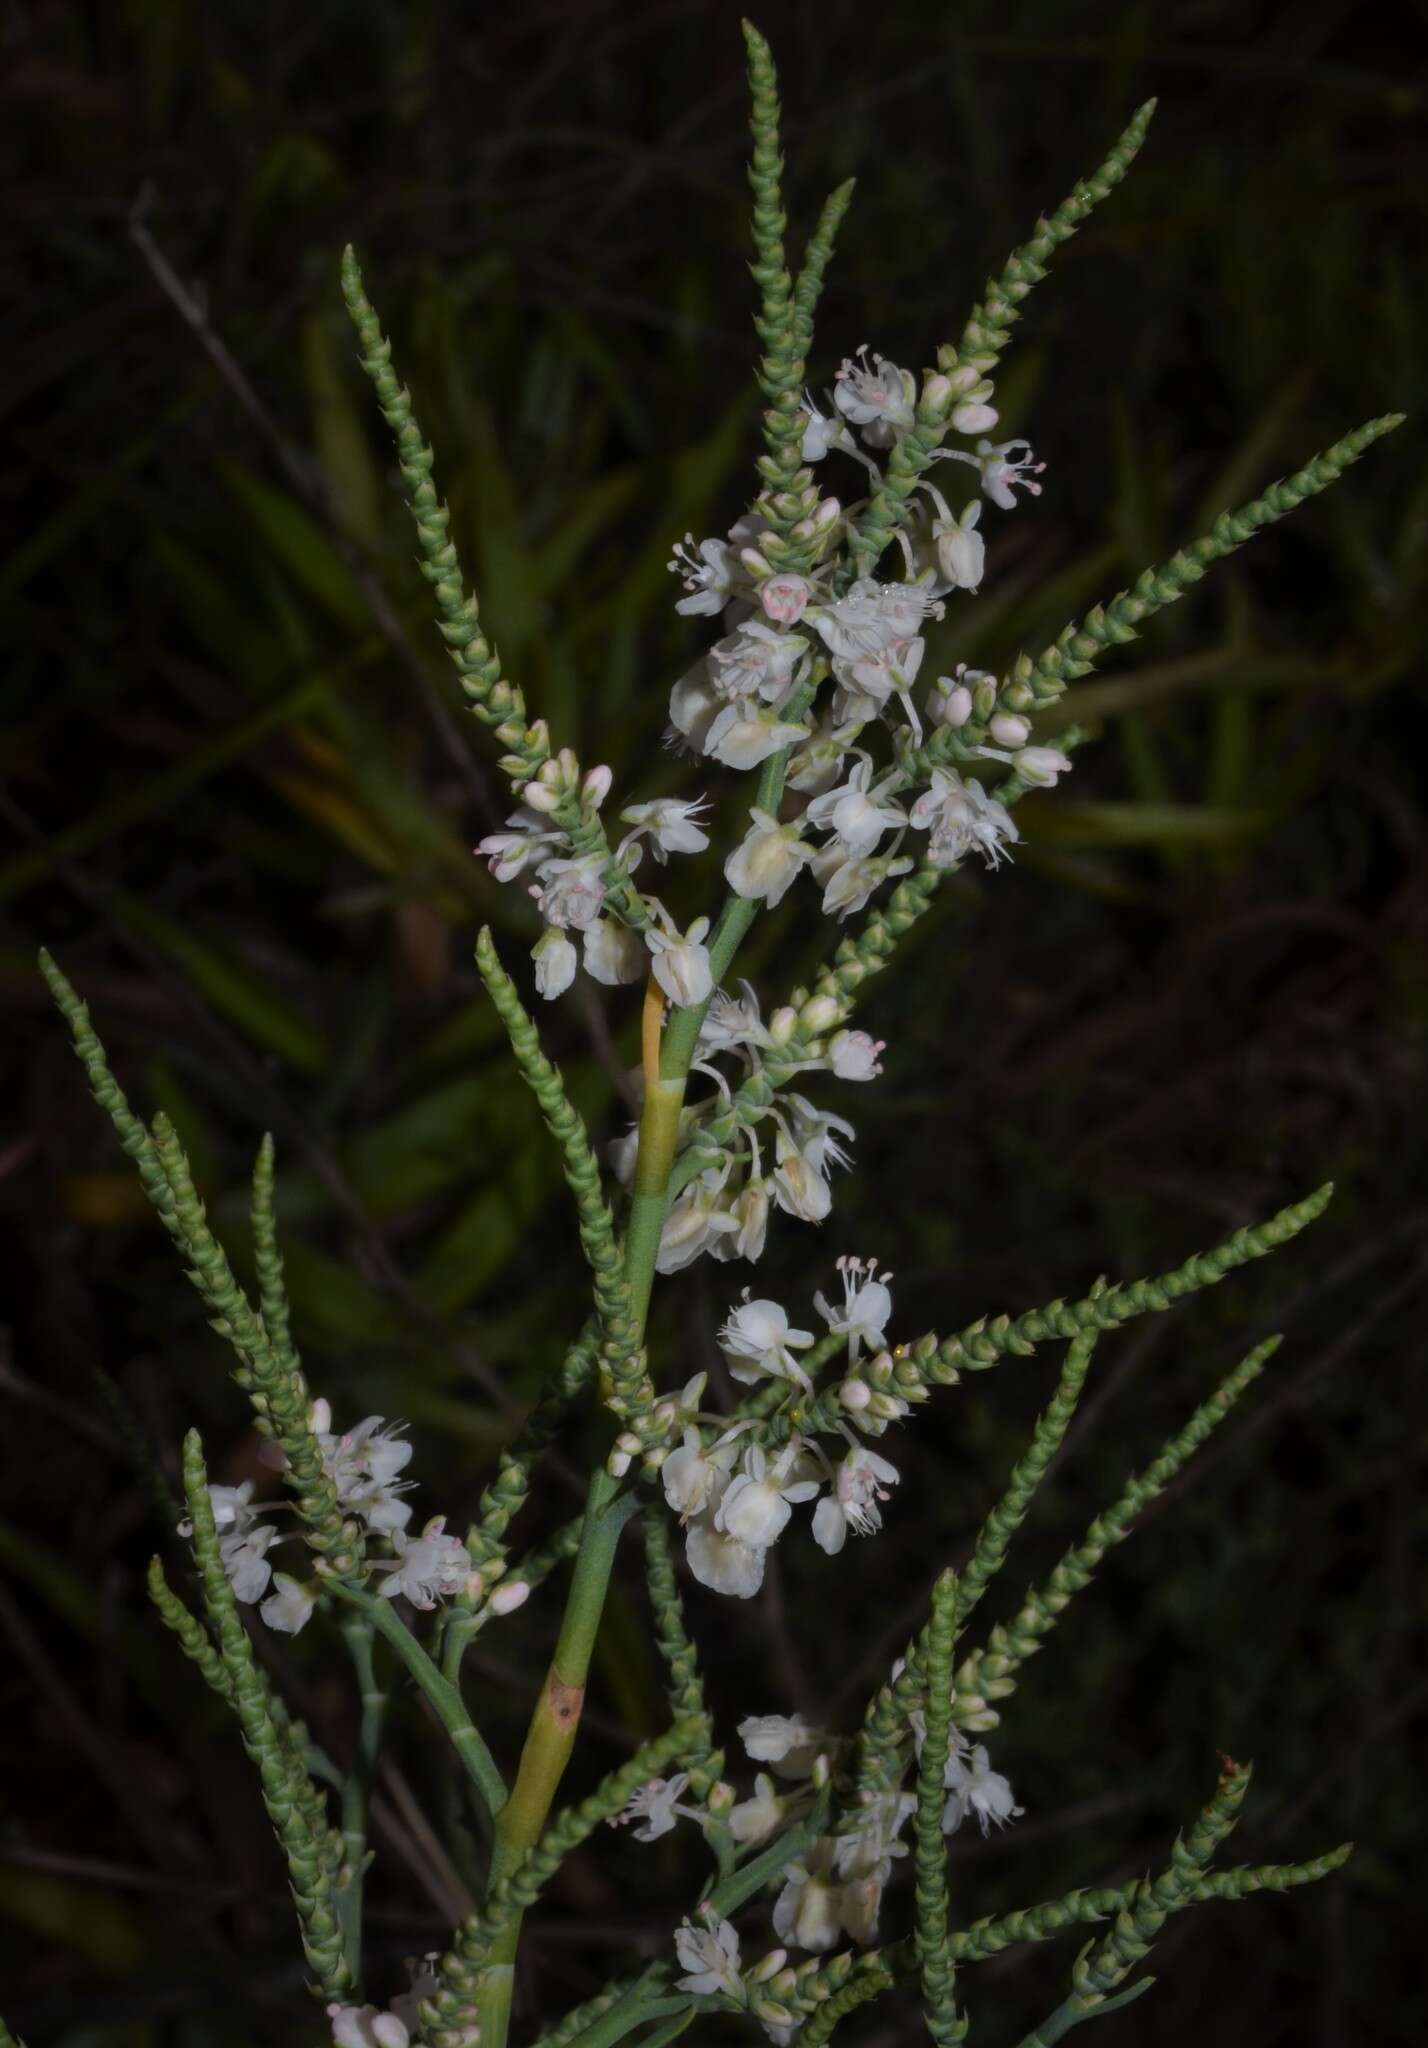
832 765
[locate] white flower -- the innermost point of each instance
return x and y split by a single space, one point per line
755 1506
508 852
613 953
693 705
807 1912
709 1954
854 1056
962 818
751 1213
857 816
758 1343
570 892
869 680
428 1566
872 1840
1002 469
244 1562
681 963
708 576
362 2026
821 433
696 1217
849 883
289 1609
722 1562
785 598
788 1742
753 1820
977 1788
867 1306
363 1464
741 737
803 1147
732 1023
814 767
861 1481
693 1478
656 1804
670 823
232 1508
755 662
871 615
554 958
766 862
880 400
961 550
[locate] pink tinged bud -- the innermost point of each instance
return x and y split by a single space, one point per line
784 599
722 1796
854 1395
506 1599
541 797
1010 731
974 418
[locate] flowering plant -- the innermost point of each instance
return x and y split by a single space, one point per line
873 783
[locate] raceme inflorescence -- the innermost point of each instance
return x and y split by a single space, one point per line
830 765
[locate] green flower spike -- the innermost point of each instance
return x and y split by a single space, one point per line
495 701
313 1859
983 339
625 1385
947 2026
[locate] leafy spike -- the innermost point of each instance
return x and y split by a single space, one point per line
625 1383
947 2026
314 1859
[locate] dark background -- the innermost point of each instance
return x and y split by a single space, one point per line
240 793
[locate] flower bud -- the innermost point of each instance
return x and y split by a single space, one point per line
820 1774
541 797
766 1967
596 787
1008 729
757 565
984 697
721 1796
1019 695
1041 765
950 703
964 380
854 1395
618 1463
819 1012
782 1025
937 392
974 418
506 1599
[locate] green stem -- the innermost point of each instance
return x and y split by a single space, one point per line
447 1703
357 1786
551 1735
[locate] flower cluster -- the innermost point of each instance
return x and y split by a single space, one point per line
735 1496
